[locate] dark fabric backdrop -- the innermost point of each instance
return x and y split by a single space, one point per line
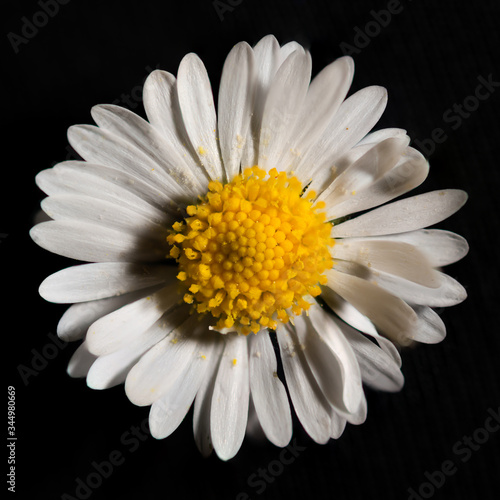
437 438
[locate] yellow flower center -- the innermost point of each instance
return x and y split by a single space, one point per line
251 250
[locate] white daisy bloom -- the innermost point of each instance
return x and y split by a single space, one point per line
211 237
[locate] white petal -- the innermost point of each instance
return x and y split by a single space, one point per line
352 155
410 171
169 410
268 393
370 167
103 213
198 113
431 329
356 116
350 315
235 105
347 159
359 416
390 349
393 257
97 281
159 369
112 369
163 111
312 408
267 60
99 146
268 57
77 319
159 99
80 362
93 243
254 429
114 331
203 406
229 411
449 292
282 108
338 425
347 312
390 314
287 49
137 131
324 97
382 135
440 247
105 183
332 360
378 369
400 216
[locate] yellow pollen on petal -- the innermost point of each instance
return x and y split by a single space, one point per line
251 250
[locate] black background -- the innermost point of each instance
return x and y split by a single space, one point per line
429 57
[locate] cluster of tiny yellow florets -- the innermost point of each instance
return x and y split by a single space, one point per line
251 250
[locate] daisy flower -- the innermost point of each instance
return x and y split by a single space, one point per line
214 241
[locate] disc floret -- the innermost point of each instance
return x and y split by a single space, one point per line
252 249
